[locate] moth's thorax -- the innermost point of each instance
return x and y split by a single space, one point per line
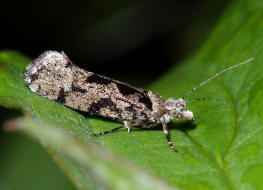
177 109
158 107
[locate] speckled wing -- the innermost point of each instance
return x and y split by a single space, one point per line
54 76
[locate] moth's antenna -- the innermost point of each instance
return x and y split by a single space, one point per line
209 100
215 75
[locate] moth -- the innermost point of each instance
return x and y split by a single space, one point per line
55 77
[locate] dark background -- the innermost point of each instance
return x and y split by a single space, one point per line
114 38
132 41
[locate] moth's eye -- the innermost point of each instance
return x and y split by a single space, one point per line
174 113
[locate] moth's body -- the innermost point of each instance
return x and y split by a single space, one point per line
54 76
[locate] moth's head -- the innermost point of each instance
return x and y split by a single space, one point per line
177 109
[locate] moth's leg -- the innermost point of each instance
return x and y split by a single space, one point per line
127 125
109 131
166 132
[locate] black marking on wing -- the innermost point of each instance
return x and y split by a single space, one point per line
123 88
103 103
33 77
145 116
38 89
126 90
94 78
77 89
61 97
129 108
134 116
146 100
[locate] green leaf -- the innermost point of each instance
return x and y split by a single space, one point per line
221 150
112 172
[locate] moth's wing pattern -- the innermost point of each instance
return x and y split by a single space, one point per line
54 76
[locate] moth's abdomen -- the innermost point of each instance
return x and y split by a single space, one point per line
54 76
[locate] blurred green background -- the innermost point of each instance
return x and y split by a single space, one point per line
113 38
